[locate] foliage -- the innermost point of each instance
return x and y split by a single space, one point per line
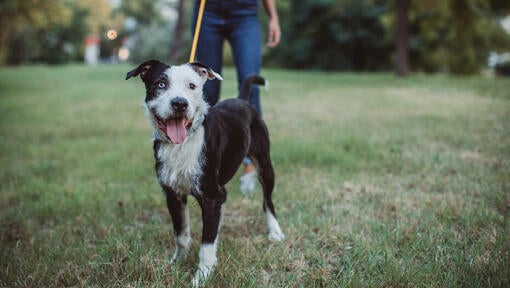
23 13
153 34
452 36
348 35
381 182
150 41
100 14
144 11
503 66
54 43
51 31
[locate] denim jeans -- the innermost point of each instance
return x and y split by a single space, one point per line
237 22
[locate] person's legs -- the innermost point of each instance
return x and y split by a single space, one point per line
245 39
210 51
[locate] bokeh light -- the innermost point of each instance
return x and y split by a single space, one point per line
111 34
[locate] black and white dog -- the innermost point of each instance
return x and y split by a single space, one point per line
198 149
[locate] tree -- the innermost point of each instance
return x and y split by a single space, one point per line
348 35
100 15
402 39
177 46
51 42
22 13
452 36
152 36
144 11
50 31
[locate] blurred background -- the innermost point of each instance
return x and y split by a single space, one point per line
431 36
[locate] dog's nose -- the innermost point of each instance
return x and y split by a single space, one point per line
179 104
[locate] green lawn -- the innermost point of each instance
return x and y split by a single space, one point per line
381 182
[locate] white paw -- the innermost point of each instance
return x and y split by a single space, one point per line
275 232
179 256
207 263
276 236
201 276
197 281
182 244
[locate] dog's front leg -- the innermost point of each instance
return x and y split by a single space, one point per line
180 218
211 217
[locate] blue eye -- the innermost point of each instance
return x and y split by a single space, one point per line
161 84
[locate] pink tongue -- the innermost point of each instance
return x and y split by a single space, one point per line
175 130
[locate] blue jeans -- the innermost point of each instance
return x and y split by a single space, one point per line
236 21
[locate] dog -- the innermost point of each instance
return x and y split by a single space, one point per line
198 149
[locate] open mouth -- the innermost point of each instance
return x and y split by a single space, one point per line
176 129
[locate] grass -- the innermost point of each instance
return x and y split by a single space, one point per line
381 182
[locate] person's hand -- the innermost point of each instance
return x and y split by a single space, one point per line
274 34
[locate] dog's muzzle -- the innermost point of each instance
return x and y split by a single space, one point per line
176 127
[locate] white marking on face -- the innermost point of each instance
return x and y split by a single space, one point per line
275 232
185 83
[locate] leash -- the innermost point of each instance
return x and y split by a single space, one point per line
197 31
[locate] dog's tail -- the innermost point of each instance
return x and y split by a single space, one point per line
246 86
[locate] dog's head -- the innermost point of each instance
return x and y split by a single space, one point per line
174 97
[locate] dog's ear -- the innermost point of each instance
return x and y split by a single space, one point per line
144 69
205 72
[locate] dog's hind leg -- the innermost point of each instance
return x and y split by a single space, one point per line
266 177
180 218
259 150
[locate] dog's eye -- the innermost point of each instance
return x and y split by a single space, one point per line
161 84
192 86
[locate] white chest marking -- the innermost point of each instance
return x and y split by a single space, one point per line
182 164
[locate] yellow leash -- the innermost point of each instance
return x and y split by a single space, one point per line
197 31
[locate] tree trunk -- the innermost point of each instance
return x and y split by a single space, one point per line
402 41
177 46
